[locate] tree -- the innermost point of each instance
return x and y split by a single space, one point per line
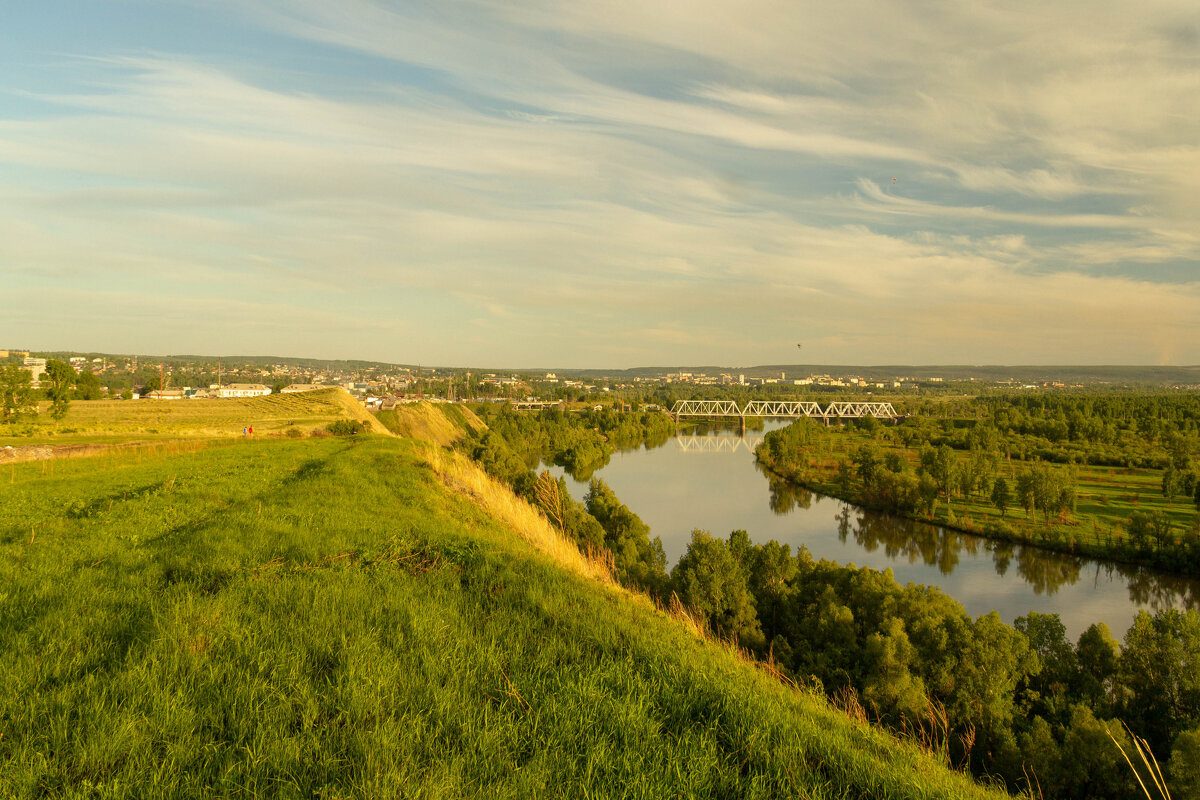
61 379
1001 495
1172 483
1097 655
1160 670
16 393
709 580
1050 687
639 560
1027 491
1091 765
88 386
939 463
1185 764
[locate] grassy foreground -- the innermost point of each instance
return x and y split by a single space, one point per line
343 618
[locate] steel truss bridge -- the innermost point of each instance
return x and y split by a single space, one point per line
838 409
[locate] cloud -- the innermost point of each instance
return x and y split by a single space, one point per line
588 181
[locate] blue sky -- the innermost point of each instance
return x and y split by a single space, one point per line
603 184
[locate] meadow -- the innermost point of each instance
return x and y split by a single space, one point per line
367 617
116 421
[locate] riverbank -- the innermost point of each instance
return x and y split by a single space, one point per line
1079 532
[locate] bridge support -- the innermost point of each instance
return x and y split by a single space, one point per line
743 425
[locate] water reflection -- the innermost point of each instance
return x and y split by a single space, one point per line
1045 571
786 496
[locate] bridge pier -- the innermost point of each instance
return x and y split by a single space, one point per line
743 418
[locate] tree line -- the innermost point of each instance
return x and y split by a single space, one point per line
60 385
1020 703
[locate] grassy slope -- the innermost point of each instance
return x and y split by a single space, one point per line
323 618
438 423
108 421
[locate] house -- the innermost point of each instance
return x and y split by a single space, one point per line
243 390
300 387
165 394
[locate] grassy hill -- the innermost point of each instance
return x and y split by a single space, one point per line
369 617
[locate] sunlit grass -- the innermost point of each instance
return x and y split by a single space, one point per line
322 617
108 421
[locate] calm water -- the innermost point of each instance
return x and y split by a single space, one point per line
714 483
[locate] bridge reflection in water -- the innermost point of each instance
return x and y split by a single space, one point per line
717 444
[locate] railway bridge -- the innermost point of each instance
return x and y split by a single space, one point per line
837 409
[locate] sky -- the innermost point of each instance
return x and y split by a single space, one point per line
616 183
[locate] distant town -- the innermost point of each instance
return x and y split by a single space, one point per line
383 385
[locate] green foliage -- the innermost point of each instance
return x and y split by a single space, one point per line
1184 767
87 386
346 427
16 394
639 560
994 696
1049 689
514 442
712 582
1160 675
59 380
1097 655
1001 495
1091 765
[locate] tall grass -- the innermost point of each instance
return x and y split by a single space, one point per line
1149 766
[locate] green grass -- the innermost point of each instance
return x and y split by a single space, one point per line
109 421
321 618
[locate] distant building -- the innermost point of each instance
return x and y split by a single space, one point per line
243 390
37 368
165 394
300 387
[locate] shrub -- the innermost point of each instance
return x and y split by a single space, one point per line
345 427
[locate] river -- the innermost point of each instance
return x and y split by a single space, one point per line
715 484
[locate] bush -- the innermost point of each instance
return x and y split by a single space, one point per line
345 427
293 433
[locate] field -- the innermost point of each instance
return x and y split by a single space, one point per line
113 421
353 617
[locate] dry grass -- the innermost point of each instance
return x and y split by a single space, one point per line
427 422
1149 765
461 475
355 410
